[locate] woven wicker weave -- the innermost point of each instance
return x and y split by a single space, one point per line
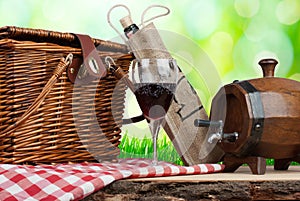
28 58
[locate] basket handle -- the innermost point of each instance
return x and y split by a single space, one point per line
61 67
118 72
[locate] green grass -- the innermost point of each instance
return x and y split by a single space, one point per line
133 147
271 162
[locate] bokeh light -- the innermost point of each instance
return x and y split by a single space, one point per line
202 18
288 11
274 43
246 8
14 12
221 44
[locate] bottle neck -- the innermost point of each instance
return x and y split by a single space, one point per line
130 30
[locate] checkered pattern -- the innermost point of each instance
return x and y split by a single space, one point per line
76 181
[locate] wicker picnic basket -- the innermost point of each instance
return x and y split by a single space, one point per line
41 112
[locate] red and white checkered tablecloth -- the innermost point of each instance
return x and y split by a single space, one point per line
76 181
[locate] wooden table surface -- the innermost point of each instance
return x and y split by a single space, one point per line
241 185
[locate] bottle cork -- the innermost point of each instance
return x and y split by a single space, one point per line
126 21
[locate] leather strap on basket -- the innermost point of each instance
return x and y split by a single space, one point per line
90 67
61 67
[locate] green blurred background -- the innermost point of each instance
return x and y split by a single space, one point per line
235 34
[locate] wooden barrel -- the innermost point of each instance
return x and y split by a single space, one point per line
265 112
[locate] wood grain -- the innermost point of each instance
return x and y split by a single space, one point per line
266 114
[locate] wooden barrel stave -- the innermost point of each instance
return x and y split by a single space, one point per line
280 135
